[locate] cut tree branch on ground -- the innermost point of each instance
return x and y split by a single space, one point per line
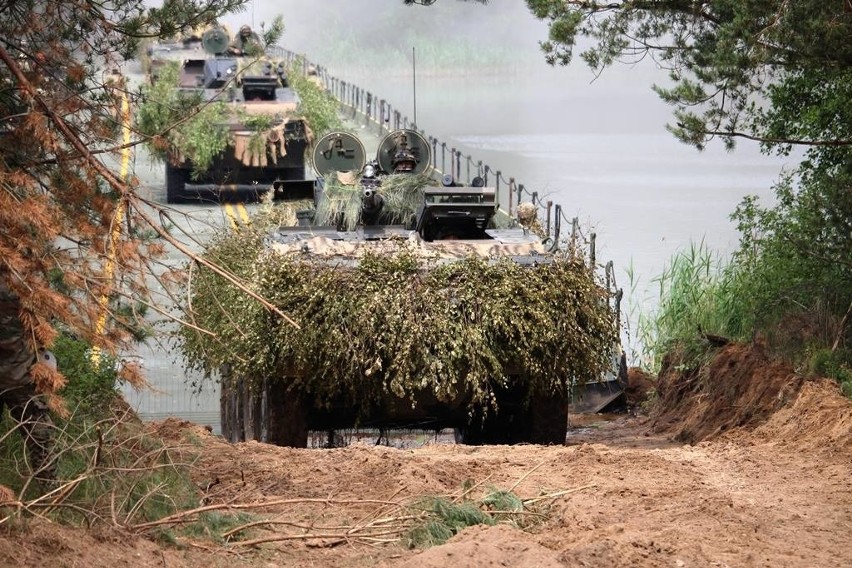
371 530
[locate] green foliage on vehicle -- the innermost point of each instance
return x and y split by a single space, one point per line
316 105
341 203
180 123
399 322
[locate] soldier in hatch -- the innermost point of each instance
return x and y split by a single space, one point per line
246 42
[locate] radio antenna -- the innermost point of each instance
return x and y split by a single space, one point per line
414 80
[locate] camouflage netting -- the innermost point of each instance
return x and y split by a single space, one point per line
398 322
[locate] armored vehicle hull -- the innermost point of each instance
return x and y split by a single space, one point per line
244 178
276 414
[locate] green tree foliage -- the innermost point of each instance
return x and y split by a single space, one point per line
736 68
775 71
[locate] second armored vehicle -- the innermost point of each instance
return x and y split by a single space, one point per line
264 141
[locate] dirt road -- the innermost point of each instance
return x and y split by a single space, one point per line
776 493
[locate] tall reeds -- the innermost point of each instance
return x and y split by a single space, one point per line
699 294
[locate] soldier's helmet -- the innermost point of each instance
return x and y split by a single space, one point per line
404 161
245 30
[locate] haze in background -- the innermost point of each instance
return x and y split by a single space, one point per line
598 145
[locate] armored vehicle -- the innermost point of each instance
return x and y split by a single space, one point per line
176 50
266 143
425 316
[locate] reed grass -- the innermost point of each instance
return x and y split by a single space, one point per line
699 293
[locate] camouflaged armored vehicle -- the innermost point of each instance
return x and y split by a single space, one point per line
425 315
178 50
266 143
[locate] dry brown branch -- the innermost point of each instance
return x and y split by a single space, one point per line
124 190
277 522
558 494
373 530
841 331
527 474
381 509
312 536
470 489
210 549
369 532
185 516
211 265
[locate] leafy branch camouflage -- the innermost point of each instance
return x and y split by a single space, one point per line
400 323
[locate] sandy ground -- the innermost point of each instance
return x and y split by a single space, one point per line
775 493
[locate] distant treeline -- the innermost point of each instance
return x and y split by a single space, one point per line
448 36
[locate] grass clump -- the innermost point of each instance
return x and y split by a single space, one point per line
788 284
699 295
440 518
836 365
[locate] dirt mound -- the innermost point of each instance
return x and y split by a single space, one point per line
777 491
475 546
42 543
819 419
739 387
7 495
639 384
744 499
176 430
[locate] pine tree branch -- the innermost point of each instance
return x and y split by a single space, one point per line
123 189
791 141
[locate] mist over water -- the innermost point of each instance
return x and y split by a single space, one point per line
597 145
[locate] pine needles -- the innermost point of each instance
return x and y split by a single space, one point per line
444 518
